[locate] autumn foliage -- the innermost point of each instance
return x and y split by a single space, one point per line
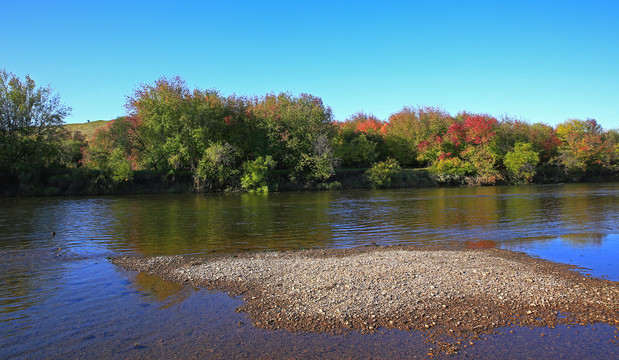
222 139
256 143
481 149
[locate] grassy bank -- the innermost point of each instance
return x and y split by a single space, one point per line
86 129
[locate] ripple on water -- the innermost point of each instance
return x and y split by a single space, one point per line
59 295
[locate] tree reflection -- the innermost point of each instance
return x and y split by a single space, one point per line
159 291
584 239
227 222
182 224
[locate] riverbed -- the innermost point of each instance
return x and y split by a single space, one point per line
61 296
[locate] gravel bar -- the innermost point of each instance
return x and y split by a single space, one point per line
451 295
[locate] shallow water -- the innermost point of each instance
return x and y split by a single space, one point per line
60 297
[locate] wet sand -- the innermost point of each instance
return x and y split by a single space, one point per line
453 296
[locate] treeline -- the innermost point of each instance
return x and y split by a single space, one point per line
254 144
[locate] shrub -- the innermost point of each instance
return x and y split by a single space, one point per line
356 150
452 166
119 167
314 168
319 165
483 161
216 169
381 173
256 174
521 162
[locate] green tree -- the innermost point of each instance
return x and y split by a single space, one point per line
172 126
319 164
217 168
356 150
71 152
295 130
160 114
612 139
521 163
31 126
119 168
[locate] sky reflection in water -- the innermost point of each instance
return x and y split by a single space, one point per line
62 290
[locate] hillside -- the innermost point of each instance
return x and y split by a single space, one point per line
87 129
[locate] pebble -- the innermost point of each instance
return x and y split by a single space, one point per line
312 291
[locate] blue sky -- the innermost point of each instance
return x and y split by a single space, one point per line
540 61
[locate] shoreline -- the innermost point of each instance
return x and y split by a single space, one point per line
88 182
450 295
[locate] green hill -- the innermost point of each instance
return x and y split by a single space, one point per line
87 129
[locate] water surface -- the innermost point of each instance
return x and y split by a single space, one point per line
60 296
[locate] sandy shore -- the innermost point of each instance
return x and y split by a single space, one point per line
448 294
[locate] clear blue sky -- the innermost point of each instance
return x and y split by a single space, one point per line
541 61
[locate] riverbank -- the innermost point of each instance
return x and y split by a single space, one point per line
87 182
451 295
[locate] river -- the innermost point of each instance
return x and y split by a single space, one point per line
60 297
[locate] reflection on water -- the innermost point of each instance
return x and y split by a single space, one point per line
159 291
55 287
181 224
597 254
